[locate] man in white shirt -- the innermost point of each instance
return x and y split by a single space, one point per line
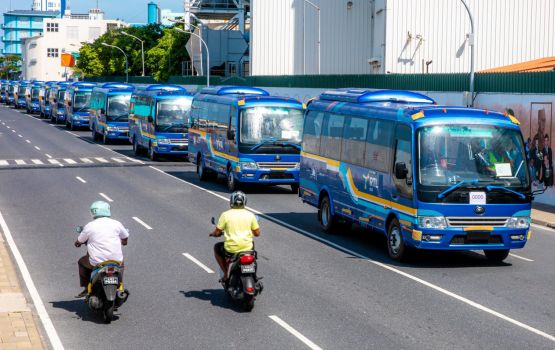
104 238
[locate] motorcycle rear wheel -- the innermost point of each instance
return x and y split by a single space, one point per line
248 304
109 314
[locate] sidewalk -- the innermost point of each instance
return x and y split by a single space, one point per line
543 214
18 329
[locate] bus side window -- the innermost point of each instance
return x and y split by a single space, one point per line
378 145
354 141
403 154
330 145
312 132
232 131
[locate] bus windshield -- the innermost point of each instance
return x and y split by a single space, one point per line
171 114
35 94
21 91
118 108
61 94
81 100
479 154
271 127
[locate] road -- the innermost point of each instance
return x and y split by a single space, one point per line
321 291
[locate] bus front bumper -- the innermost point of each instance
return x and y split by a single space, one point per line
267 176
468 238
117 133
80 121
177 149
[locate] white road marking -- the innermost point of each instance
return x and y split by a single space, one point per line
37 161
81 179
48 155
118 160
37 148
86 160
69 161
101 160
135 160
142 223
4 162
547 228
8 127
193 259
37 301
382 265
521 257
74 134
106 197
20 162
13 130
53 161
296 333
27 141
19 135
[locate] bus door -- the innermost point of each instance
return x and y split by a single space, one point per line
402 191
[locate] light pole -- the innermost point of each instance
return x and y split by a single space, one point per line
304 33
126 63
200 44
207 53
142 48
471 44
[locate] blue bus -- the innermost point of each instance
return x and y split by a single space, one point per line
57 106
158 120
246 135
110 111
77 100
32 97
44 99
4 90
425 176
11 92
19 94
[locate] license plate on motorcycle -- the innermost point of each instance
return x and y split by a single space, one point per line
247 268
111 280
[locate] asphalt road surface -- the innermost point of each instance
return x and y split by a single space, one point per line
321 291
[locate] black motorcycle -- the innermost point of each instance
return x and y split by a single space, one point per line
105 290
243 285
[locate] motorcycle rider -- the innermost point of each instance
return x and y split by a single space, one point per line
104 238
238 225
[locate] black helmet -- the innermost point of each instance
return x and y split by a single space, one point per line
238 200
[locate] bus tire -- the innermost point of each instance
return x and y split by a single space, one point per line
396 246
136 147
68 125
94 134
202 172
328 221
295 188
151 154
497 255
232 183
105 139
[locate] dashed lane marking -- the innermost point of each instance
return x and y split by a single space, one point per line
53 161
27 141
86 160
193 259
4 163
19 135
69 161
81 179
37 161
20 162
106 197
37 148
101 160
294 332
520 257
118 160
48 155
142 223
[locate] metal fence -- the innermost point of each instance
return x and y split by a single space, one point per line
541 82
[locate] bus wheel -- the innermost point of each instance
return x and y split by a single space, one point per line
232 183
202 172
68 125
497 255
396 246
327 220
94 133
151 154
105 139
136 147
295 188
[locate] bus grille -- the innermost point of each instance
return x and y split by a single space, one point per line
179 141
476 221
273 165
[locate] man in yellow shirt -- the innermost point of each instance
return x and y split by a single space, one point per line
238 225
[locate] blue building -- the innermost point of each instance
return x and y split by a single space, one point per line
21 24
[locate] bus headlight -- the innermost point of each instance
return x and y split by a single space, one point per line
437 222
519 222
249 166
164 141
112 128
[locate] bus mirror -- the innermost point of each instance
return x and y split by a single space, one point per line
401 170
230 135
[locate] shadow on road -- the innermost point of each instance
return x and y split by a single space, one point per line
217 297
80 309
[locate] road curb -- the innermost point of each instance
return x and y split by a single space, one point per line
544 223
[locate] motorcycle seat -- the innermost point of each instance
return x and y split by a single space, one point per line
103 265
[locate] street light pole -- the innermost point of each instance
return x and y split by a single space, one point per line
200 44
142 48
207 53
317 8
471 44
126 63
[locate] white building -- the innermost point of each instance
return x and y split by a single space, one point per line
42 54
397 36
47 5
167 16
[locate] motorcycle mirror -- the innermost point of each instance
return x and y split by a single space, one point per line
78 229
213 221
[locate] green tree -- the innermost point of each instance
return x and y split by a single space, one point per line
166 57
10 66
89 61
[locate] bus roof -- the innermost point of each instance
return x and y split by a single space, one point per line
234 90
108 88
239 95
162 90
82 85
406 106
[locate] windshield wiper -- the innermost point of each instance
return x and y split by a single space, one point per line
114 118
275 142
490 188
455 186
166 127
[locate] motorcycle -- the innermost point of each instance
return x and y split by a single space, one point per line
105 290
243 284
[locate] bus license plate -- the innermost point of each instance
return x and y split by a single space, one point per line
111 280
247 268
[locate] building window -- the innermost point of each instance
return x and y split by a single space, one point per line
52 53
52 27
